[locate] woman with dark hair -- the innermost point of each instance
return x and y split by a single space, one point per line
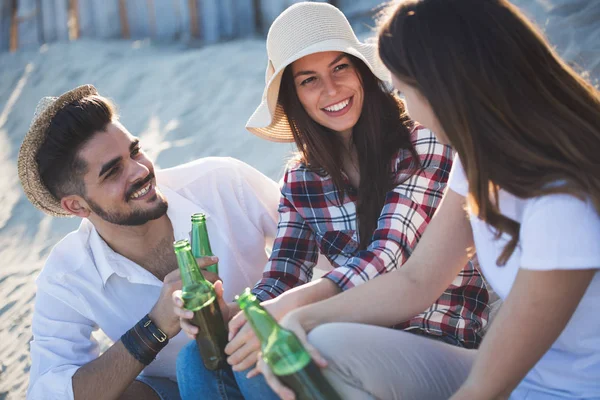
364 185
526 129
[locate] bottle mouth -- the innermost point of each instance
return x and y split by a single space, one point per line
181 244
198 217
245 298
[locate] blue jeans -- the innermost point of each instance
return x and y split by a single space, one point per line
196 382
165 388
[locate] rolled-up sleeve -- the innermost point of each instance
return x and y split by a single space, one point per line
61 343
294 255
295 252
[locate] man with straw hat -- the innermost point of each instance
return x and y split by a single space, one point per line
117 271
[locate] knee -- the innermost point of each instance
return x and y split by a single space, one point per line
326 338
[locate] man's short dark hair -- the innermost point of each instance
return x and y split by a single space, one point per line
60 167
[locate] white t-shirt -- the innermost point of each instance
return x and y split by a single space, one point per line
557 232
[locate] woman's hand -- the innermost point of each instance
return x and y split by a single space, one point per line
292 322
243 346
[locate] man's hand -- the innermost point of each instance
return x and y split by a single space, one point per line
227 310
162 313
205 262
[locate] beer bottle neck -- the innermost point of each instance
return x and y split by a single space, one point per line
190 273
200 241
263 324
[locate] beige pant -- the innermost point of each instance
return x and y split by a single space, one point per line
370 362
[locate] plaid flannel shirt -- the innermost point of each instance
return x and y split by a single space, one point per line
312 220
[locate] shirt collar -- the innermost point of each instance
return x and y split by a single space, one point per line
109 262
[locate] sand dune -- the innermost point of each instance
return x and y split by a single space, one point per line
185 104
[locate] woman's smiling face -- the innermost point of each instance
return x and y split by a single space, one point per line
330 89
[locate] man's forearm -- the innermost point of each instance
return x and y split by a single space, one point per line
108 376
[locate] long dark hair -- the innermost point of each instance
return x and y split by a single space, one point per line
381 131
519 117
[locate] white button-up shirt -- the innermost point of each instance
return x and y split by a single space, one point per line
85 285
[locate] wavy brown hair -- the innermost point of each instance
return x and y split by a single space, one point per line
520 118
381 131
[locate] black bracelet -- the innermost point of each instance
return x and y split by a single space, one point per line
137 348
157 338
145 340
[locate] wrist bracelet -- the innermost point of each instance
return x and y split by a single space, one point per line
153 333
145 340
136 348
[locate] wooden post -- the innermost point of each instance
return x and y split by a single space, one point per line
194 28
73 19
124 21
14 27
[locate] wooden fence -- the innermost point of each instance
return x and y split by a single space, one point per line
30 23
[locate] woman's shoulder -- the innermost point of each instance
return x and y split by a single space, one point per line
432 155
425 141
300 181
297 170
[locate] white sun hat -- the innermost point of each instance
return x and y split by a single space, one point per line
302 29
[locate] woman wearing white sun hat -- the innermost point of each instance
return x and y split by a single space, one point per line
361 190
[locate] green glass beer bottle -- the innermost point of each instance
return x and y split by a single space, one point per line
199 296
284 354
200 241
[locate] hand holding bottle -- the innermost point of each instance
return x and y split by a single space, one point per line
169 308
227 310
292 322
162 313
243 345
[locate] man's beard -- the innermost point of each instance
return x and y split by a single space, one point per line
134 218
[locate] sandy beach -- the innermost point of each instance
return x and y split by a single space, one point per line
184 104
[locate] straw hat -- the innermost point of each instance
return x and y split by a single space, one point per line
302 29
29 174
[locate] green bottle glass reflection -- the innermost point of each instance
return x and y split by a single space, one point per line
199 296
200 241
284 354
